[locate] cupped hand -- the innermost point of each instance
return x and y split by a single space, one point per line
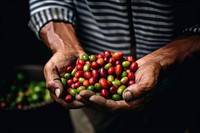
53 70
135 96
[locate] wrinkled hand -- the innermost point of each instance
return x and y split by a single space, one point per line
53 70
135 96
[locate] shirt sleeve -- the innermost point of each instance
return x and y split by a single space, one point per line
43 11
192 29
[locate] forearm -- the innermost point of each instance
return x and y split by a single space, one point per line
176 51
60 36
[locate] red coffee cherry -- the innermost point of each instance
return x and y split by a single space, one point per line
117 55
103 83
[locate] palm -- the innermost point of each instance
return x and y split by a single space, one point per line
56 68
146 79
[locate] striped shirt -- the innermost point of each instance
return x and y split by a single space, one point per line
132 26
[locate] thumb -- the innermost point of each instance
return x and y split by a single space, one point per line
53 81
134 91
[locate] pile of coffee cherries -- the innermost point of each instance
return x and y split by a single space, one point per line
107 74
21 92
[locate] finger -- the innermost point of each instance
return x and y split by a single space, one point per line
135 91
55 86
84 96
120 105
73 105
108 104
100 102
52 77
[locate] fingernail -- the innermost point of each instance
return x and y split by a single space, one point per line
57 91
127 96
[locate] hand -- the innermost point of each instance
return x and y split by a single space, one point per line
135 96
139 94
53 70
61 39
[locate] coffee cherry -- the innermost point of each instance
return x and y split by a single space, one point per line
87 75
99 56
92 80
130 58
86 68
134 66
69 82
111 70
125 64
121 89
116 97
73 92
103 72
68 90
69 69
81 79
107 66
111 60
94 65
74 71
85 57
80 88
79 67
107 74
86 83
118 62
113 89
95 74
91 87
124 80
103 83
100 61
75 79
63 81
131 75
105 93
68 98
77 84
124 74
116 83
118 70
78 74
131 82
105 59
67 75
92 58
117 55
110 78
97 86
107 54
80 62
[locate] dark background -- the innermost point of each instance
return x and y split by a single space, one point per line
19 46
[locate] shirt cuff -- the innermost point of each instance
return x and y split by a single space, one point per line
193 29
39 19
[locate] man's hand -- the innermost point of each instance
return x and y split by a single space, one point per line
62 41
150 69
53 70
135 96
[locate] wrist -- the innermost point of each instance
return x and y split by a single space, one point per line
60 37
174 52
